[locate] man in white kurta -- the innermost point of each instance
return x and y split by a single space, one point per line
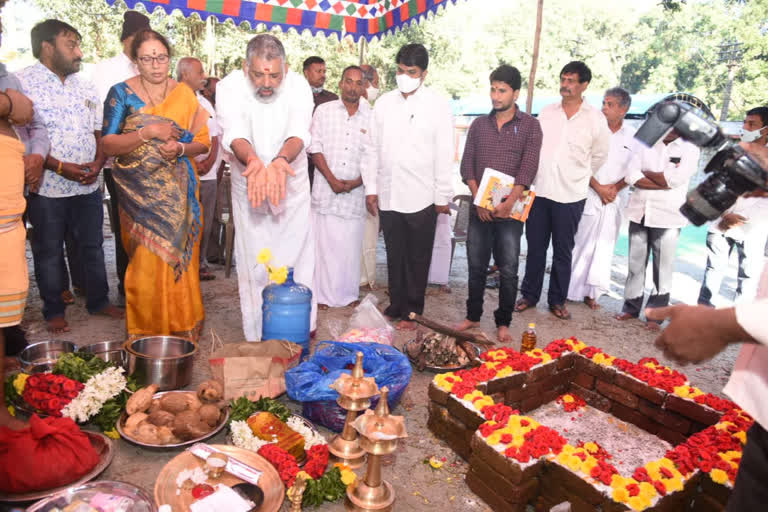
339 131
265 111
607 197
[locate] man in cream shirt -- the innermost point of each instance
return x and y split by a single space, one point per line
408 178
576 144
265 111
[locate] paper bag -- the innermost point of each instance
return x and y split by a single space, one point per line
253 370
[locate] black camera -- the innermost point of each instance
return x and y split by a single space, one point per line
733 171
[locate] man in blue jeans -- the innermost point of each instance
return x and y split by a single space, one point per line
509 141
69 199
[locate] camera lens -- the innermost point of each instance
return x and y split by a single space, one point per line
711 198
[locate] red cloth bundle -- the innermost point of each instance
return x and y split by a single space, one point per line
51 452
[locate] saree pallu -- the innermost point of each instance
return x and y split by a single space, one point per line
160 217
14 280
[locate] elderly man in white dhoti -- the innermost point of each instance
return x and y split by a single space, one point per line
266 111
600 222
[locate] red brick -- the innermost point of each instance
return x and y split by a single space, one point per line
594 399
692 410
436 394
502 464
617 394
542 371
717 492
639 388
566 361
582 364
584 380
667 418
671 436
612 506
448 430
557 381
472 419
635 417
506 383
484 491
573 484
513 493
531 403
515 395
706 503
696 427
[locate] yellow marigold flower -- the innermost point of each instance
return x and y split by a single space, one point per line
618 481
486 400
304 475
567 399
573 463
674 484
603 359
264 256
591 447
342 466
664 462
11 410
588 464
621 495
494 438
436 464
741 436
719 476
19 382
638 502
647 490
348 477
505 372
730 455
112 434
568 449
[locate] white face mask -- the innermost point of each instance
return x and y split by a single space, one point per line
407 84
751 136
372 93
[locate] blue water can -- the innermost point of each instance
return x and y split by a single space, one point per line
285 312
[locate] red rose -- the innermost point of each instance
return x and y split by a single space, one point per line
54 404
69 385
55 388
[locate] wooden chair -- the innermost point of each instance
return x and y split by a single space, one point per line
461 204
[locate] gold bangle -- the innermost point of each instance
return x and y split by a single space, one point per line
58 168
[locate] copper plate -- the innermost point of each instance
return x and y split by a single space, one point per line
269 482
404 350
104 448
216 429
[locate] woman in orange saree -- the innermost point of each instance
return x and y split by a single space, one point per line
154 127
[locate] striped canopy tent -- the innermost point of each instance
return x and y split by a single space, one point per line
367 19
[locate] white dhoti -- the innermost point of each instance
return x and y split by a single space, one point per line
440 268
288 235
593 248
338 243
370 241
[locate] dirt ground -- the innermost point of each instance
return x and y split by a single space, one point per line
418 487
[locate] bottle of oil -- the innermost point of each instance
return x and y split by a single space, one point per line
529 338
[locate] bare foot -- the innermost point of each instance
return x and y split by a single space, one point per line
592 303
624 316
353 304
466 325
57 325
444 289
111 311
503 335
653 326
322 307
406 325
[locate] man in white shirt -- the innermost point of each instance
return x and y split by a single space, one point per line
339 131
655 220
743 228
265 111
371 233
104 75
407 178
576 144
189 70
698 333
599 226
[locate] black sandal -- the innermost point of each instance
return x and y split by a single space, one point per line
522 305
560 312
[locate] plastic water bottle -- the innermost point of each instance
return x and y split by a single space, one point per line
529 338
285 312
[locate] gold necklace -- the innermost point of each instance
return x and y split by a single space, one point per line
165 91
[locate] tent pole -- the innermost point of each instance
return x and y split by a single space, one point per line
535 58
362 50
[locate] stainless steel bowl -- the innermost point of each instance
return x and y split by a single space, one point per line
109 351
162 360
41 356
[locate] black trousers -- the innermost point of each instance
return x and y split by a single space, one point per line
409 238
750 492
121 257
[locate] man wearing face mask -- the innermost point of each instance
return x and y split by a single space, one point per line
742 228
371 234
265 111
371 83
407 178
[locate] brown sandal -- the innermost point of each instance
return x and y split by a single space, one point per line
522 305
560 312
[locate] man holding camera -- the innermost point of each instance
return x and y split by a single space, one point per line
655 220
698 333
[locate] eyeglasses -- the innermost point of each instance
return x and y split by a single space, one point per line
147 59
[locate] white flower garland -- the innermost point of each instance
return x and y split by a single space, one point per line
98 389
243 437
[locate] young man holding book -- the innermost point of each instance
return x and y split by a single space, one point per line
509 141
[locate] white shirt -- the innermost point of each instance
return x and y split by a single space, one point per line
623 158
214 130
340 138
661 208
748 385
572 150
112 71
409 155
755 210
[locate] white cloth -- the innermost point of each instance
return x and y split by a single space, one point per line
112 71
572 150
289 234
755 210
748 385
440 267
661 208
214 130
370 242
338 250
409 155
340 138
